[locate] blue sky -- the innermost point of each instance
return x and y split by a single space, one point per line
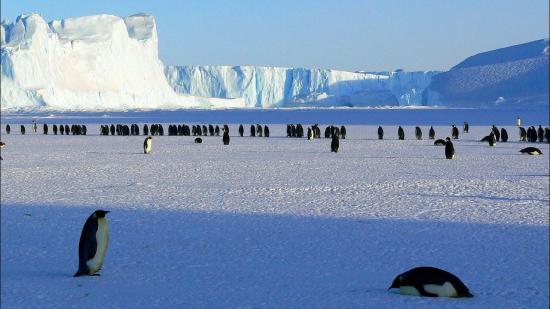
343 34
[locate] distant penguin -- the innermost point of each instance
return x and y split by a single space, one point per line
54 127
466 127
401 133
496 132
288 131
217 130
431 133
34 126
522 134
440 142
309 134
2 144
8 129
449 149
241 130
327 132
67 131
531 151
540 134
93 244
211 130
503 135
418 133
147 145
547 134
335 143
252 130
23 130
454 132
225 137
145 130
111 129
343 132
492 139
518 121
380 133
45 129
198 140
266 131
259 131
61 129
204 130
430 282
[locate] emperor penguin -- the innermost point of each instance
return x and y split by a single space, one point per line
225 137
431 133
93 244
430 282
440 142
454 132
492 139
2 144
335 143
8 128
147 144
522 134
266 131
309 134
401 133
418 133
466 127
449 149
531 151
380 133
241 130
503 135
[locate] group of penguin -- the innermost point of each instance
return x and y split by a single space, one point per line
313 132
529 135
419 281
75 129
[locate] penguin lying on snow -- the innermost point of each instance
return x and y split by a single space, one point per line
531 151
93 244
198 140
440 142
430 282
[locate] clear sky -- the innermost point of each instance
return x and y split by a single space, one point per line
335 34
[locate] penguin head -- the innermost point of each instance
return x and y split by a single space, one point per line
448 139
101 213
396 283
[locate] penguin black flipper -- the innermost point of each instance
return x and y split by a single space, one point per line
87 246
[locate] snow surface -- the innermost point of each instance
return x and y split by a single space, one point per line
99 62
272 222
297 87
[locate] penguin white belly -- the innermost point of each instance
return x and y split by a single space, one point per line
102 238
445 290
148 146
408 290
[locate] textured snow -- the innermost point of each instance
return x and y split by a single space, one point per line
291 87
272 222
515 76
100 62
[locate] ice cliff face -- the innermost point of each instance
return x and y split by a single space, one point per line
511 77
100 62
295 87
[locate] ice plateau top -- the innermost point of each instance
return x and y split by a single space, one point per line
105 62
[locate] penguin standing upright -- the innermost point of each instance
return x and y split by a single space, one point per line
45 129
454 132
252 130
522 134
492 139
449 149
503 135
418 133
466 127
431 133
540 134
23 130
241 130
401 133
266 131
430 282
8 129
93 244
225 137
335 143
380 133
343 132
496 132
309 133
147 145
54 127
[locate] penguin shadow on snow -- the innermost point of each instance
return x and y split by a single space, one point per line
199 258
